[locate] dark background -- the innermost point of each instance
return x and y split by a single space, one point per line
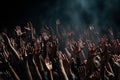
101 13
19 12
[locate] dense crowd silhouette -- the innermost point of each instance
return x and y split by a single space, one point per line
59 55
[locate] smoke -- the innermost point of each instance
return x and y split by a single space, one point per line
100 13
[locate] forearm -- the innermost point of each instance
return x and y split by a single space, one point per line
28 70
36 69
51 75
109 68
10 46
44 77
63 70
68 53
13 72
40 63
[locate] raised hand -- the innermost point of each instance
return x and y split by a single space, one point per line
60 55
116 60
61 59
48 63
104 40
12 42
30 29
6 38
18 31
45 36
81 44
89 44
75 48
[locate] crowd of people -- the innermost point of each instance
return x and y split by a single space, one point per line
47 56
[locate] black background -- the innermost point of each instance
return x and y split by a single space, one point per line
19 12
